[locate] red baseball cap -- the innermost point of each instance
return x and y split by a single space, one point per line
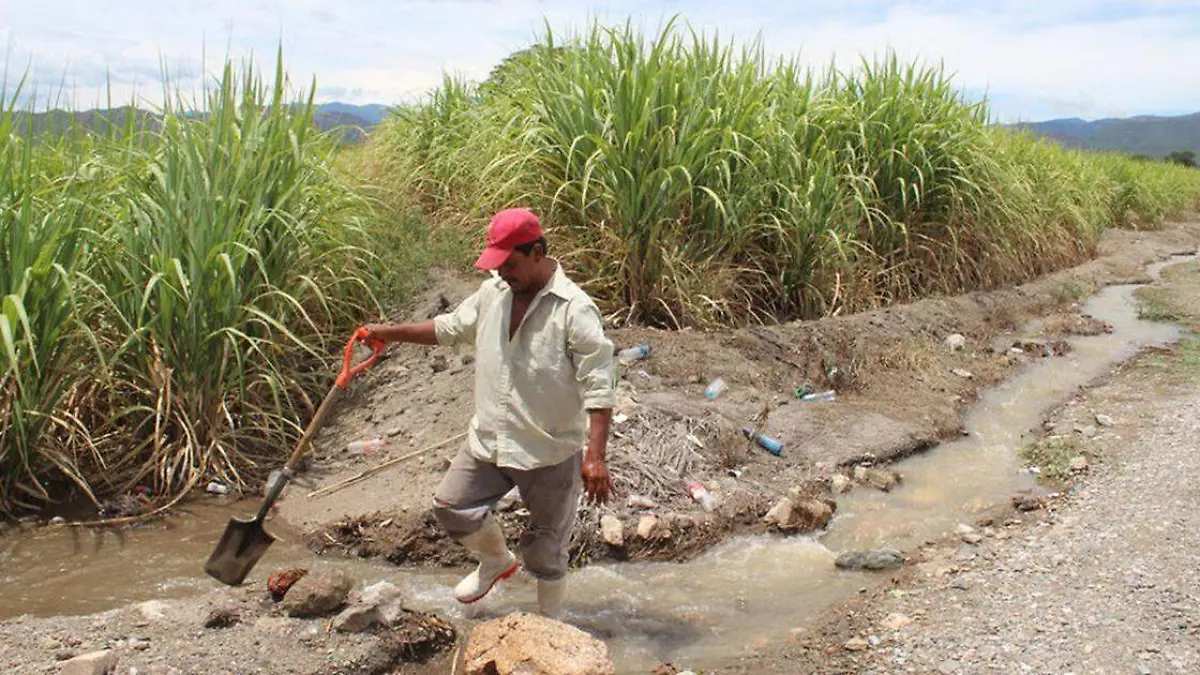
510 228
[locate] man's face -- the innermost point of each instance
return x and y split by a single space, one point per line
520 269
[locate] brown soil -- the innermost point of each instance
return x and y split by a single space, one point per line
899 389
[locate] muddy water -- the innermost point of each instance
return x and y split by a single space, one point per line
52 571
702 612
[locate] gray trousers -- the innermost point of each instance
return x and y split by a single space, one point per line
471 488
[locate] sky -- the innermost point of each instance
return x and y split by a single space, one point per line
1034 60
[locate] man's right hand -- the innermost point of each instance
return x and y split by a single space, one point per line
422 333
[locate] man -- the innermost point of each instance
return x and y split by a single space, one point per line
543 389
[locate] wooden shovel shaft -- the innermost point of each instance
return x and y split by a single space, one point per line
331 399
302 445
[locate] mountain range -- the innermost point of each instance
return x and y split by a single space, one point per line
1147 135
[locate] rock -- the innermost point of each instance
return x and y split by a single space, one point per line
355 619
874 559
647 526
780 514
896 621
139 644
1104 420
96 663
881 479
222 617
1088 431
318 593
955 342
840 484
810 514
153 610
385 601
971 538
1079 463
612 530
856 645
966 374
963 528
1024 502
530 644
960 582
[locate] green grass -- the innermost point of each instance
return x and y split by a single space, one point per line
172 298
1053 456
689 183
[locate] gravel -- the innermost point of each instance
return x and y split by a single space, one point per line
1106 583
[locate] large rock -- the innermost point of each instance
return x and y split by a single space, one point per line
798 513
875 559
530 644
810 513
317 594
377 604
95 663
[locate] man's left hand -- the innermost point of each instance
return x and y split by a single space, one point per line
597 484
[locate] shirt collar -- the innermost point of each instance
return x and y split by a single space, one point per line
559 284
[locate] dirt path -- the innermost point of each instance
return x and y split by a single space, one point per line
1104 582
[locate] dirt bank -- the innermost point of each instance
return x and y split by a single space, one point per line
1102 580
900 388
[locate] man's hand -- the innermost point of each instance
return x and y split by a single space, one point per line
417 333
597 484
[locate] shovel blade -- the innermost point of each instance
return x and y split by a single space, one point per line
243 543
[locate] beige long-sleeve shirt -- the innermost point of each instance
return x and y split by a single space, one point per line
532 393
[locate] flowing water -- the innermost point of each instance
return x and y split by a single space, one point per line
745 590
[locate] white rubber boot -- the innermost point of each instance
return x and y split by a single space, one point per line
496 562
552 596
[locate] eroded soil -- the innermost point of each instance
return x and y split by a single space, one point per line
900 389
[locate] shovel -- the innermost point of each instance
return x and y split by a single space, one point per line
245 541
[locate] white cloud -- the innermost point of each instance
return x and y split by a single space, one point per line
1036 59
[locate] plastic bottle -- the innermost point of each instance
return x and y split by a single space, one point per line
217 488
634 353
766 442
702 495
715 388
366 447
830 395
